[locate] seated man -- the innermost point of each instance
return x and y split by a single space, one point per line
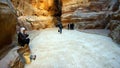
23 37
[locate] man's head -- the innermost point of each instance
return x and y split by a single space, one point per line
22 30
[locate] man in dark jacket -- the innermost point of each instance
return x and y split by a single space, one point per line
23 37
60 27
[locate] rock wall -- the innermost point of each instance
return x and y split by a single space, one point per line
8 21
114 22
39 13
93 14
85 14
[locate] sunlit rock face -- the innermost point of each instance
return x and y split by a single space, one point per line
35 7
86 14
46 12
8 21
89 14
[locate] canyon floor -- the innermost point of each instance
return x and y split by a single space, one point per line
71 49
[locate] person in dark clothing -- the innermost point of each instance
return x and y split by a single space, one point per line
60 28
72 26
68 26
23 37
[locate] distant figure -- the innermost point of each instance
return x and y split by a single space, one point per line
68 26
23 37
60 28
72 26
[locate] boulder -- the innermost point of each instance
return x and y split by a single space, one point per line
22 21
115 34
17 64
24 54
113 24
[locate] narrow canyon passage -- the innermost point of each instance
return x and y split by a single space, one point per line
72 49
87 46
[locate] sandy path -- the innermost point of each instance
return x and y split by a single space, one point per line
73 49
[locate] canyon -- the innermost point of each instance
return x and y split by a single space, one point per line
46 14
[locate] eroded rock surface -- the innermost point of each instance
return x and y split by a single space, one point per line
47 12
8 21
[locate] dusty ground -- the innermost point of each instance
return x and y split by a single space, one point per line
73 49
104 32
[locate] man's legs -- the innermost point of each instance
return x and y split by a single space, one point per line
60 30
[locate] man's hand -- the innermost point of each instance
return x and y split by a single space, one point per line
26 35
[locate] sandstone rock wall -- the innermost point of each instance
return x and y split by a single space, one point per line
93 14
85 14
47 12
8 21
114 23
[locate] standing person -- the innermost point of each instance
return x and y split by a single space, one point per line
60 28
58 13
68 26
72 26
23 37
